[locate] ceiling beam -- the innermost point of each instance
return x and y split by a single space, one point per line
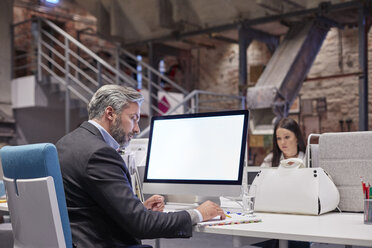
223 38
323 9
255 34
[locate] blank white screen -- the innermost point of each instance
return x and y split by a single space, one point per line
202 148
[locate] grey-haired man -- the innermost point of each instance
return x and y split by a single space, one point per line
102 208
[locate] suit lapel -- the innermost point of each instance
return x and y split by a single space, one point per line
92 129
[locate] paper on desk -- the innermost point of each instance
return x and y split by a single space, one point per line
231 204
235 219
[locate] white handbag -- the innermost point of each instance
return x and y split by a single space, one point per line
290 188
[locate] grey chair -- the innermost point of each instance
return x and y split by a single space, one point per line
346 156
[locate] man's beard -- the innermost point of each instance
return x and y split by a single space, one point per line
119 134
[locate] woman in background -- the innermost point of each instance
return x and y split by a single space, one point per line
287 143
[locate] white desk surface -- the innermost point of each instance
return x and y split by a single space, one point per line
335 228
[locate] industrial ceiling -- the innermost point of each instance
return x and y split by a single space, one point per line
141 21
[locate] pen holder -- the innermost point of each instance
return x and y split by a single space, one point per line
368 211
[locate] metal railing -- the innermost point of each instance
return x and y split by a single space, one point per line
129 63
45 50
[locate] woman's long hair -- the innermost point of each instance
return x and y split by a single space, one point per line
290 125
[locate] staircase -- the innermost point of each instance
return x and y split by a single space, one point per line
76 72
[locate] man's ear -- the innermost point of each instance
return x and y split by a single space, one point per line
109 113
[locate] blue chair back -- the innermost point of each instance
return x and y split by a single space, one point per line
37 161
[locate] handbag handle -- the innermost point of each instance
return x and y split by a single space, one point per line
291 163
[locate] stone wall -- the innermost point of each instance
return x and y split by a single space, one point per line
51 118
219 73
219 69
336 66
25 36
333 75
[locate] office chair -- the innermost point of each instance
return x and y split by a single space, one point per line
36 198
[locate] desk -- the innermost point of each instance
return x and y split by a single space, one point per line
334 228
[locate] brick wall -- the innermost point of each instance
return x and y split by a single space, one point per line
332 76
217 71
335 67
338 56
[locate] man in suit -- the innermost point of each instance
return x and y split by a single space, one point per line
102 208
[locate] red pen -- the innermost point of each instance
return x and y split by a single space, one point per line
364 187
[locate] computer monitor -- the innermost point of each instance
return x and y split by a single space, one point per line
196 154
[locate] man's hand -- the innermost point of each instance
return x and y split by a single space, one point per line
155 203
210 210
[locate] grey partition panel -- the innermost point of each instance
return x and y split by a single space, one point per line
346 157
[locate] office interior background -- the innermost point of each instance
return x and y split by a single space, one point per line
220 48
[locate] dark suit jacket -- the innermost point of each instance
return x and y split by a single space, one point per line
102 208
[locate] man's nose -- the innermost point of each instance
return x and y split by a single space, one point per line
136 128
